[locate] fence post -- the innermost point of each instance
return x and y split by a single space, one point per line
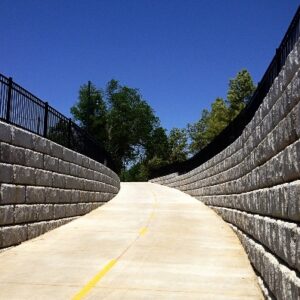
278 61
38 125
69 132
8 104
46 119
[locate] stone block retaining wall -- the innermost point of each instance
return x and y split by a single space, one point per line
44 185
254 184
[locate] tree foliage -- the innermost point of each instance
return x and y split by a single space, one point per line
126 125
178 145
240 90
90 111
197 132
130 123
118 117
158 145
218 119
222 112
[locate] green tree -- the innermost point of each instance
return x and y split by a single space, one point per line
209 126
119 118
130 123
91 112
178 145
222 112
218 119
158 145
137 172
240 90
197 133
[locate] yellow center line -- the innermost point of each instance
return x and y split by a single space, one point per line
143 230
94 280
86 289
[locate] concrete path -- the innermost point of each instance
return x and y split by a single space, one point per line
150 242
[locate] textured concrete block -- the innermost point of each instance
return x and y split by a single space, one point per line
291 162
88 185
71 210
58 180
75 196
298 249
71 182
34 159
24 175
32 197
56 223
69 155
5 132
81 209
291 196
52 195
6 214
74 170
83 196
50 163
92 164
278 236
25 213
63 167
82 172
85 162
89 207
56 150
43 178
65 196
90 196
36 229
286 247
96 205
44 212
74 183
100 197
60 211
12 155
288 286
40 144
287 130
22 138
13 235
35 194
11 194
89 174
6 173
79 159
277 276
297 119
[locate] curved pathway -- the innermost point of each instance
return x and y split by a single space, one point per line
149 242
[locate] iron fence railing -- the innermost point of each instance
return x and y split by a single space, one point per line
21 108
236 127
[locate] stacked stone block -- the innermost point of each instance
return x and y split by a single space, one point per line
254 184
44 185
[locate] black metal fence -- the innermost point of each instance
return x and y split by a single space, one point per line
236 127
21 108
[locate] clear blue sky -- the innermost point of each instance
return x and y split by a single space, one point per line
179 54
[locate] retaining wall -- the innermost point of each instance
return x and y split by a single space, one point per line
254 184
44 185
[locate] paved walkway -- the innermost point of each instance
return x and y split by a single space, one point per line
150 242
